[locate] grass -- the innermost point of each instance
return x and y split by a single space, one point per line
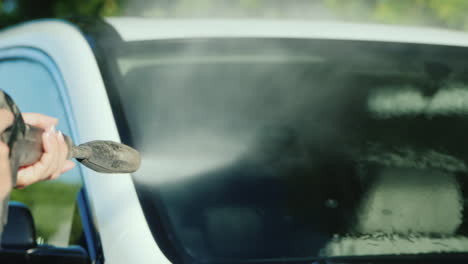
51 204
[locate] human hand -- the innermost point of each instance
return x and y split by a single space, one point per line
54 159
6 119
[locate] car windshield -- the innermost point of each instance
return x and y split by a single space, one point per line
296 149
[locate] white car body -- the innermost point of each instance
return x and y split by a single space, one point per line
121 224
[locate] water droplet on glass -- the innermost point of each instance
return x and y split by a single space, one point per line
331 203
10 6
387 212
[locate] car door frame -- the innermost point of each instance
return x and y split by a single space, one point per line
113 206
35 55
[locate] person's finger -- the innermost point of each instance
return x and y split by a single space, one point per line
51 148
39 120
30 175
61 156
6 119
68 166
41 169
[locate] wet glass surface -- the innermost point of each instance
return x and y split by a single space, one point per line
286 149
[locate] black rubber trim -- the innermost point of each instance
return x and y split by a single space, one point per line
92 238
105 41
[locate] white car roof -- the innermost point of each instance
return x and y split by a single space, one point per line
136 29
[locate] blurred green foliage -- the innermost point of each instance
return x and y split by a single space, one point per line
51 204
441 13
15 11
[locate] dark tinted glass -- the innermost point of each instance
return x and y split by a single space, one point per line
289 149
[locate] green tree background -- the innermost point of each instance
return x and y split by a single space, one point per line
440 13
